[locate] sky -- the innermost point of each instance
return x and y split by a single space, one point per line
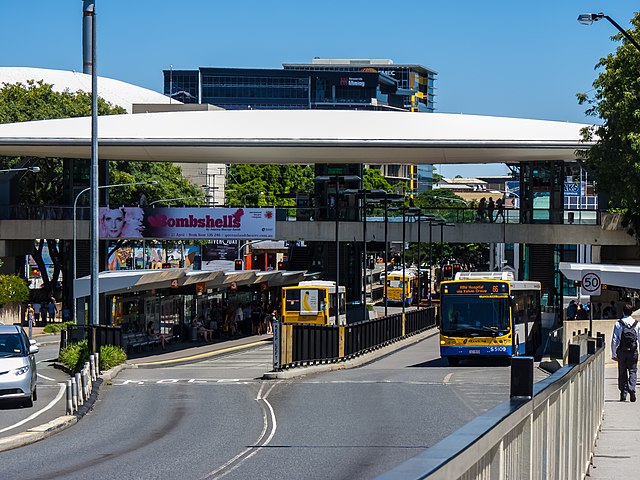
499 58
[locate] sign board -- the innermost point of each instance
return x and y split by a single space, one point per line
174 283
571 189
308 302
233 286
201 287
591 283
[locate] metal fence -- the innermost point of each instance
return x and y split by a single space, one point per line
301 345
549 436
96 335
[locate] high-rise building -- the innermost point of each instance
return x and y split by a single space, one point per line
345 84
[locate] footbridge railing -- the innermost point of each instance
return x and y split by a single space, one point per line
545 431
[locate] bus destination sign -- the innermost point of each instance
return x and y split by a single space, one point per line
475 288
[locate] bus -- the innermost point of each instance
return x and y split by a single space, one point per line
489 314
402 289
313 302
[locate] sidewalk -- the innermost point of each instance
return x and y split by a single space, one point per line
616 453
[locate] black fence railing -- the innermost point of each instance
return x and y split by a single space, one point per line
96 335
303 344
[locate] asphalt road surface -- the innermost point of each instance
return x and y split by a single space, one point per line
216 419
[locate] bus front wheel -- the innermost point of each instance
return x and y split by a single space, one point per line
453 361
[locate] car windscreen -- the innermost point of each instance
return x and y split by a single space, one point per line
473 315
11 345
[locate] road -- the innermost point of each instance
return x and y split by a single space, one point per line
216 419
15 418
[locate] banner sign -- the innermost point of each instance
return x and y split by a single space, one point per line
183 223
308 302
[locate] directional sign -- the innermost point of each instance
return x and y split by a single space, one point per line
591 283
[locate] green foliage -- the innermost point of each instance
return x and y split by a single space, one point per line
265 185
615 156
372 179
13 289
74 356
56 327
111 356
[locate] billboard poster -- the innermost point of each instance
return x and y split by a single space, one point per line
219 256
188 223
571 189
308 302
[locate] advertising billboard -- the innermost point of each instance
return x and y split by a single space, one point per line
188 223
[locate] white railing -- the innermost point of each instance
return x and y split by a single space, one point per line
549 436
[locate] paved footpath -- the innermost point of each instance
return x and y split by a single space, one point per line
617 453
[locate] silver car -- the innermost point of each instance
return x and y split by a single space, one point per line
18 374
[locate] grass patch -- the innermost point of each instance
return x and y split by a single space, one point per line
56 327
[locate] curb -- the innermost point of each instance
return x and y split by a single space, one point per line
359 361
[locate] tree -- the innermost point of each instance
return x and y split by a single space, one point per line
38 101
372 179
615 156
13 289
267 185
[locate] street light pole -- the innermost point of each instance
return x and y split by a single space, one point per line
34 169
386 252
95 232
589 18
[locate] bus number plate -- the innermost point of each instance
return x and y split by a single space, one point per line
477 352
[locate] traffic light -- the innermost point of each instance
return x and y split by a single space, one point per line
166 265
280 265
238 264
372 263
456 269
447 271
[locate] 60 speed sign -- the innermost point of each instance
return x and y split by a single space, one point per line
591 283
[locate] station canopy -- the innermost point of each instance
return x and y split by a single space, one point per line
299 136
626 276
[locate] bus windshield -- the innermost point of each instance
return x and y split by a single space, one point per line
471 315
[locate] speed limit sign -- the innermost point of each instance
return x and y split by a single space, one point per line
591 283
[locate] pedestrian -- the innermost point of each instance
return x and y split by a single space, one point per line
36 312
491 206
597 310
500 209
582 313
482 210
53 309
29 315
624 350
572 310
610 311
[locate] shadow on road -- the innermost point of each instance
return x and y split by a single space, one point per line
472 362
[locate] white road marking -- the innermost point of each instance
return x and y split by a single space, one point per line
39 412
247 453
46 378
447 377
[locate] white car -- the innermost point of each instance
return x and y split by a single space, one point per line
18 375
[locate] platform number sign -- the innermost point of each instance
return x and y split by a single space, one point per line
591 283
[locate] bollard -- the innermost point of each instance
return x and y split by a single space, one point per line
87 379
600 341
521 377
591 347
79 389
74 393
92 367
84 388
574 353
69 398
98 371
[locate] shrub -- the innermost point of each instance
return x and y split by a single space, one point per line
74 356
56 327
13 289
110 356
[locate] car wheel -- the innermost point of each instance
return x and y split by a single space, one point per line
35 394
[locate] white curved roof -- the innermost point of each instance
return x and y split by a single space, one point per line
113 91
299 136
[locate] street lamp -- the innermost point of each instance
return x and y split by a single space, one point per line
34 169
417 213
589 18
75 203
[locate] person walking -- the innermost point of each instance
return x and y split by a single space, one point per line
36 312
53 309
491 206
624 350
500 210
482 210
29 316
572 310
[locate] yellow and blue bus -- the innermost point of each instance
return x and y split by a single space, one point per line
402 288
313 302
489 314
